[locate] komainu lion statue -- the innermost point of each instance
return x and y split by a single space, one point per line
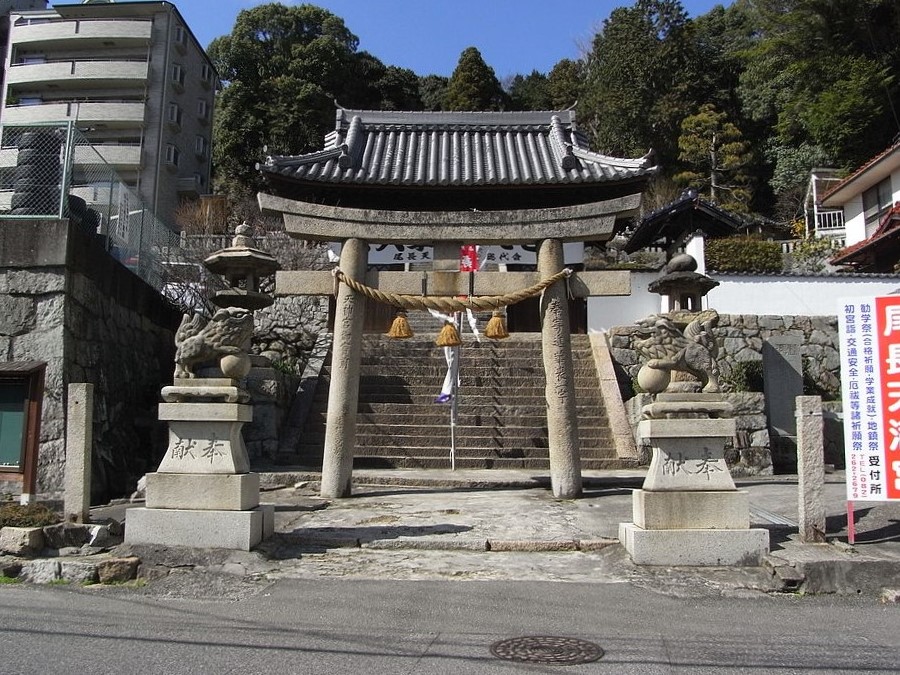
693 351
196 341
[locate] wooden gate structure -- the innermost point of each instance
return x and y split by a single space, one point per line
443 180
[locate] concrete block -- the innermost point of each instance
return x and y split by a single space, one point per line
720 510
236 530
268 511
21 540
204 491
704 548
688 463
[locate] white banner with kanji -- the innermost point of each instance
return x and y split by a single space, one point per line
870 380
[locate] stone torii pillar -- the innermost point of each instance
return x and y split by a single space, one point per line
340 432
562 419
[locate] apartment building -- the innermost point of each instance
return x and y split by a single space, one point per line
135 82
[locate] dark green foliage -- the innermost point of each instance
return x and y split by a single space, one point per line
531 92
432 90
473 85
640 79
743 254
26 515
565 84
745 376
283 68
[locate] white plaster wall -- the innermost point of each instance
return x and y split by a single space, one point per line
606 312
742 294
811 296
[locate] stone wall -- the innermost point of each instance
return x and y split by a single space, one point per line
740 339
66 302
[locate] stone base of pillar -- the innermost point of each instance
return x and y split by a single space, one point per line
204 491
237 530
705 548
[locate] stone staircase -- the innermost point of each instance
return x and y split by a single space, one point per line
501 407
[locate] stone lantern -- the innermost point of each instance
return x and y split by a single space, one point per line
683 285
242 266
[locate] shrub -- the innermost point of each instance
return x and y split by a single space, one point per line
26 515
745 376
743 254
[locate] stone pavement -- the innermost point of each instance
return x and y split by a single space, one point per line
469 524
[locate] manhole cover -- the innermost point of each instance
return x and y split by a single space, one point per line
560 651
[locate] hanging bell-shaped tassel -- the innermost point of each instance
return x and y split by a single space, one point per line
400 329
448 337
496 327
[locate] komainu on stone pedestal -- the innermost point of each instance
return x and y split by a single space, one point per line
693 351
197 341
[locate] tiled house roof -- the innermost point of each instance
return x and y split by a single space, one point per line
456 149
878 253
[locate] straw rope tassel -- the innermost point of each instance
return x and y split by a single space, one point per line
400 329
496 327
448 337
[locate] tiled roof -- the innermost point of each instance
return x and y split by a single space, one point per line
856 175
435 149
863 253
685 215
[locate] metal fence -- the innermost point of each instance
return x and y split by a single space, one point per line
53 171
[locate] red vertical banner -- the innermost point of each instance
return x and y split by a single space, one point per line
887 324
468 258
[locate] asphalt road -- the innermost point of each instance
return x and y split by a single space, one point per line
220 624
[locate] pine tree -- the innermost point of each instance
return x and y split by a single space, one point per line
473 85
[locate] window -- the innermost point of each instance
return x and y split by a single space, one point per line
876 202
206 75
203 110
178 76
181 38
173 114
172 155
201 146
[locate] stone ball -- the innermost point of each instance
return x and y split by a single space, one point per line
653 380
681 262
235 366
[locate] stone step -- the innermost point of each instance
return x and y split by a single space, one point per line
418 368
392 462
531 438
436 415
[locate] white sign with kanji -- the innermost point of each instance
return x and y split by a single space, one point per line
870 380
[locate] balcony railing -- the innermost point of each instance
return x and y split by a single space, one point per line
829 220
60 32
77 74
110 114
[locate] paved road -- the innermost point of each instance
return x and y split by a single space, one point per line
224 624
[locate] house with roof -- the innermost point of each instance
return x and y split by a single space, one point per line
869 199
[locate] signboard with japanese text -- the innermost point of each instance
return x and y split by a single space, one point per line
386 254
870 379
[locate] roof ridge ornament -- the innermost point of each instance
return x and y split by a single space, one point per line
561 148
350 149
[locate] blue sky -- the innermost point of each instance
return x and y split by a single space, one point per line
427 36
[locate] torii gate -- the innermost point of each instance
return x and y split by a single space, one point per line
446 231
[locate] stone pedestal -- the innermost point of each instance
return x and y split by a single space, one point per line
689 511
203 495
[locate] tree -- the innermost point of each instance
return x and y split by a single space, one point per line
641 76
473 85
432 90
530 92
564 84
715 157
283 68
